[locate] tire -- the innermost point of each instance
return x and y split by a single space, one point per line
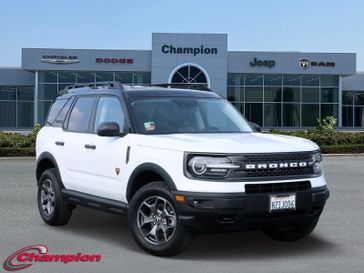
52 207
152 211
291 234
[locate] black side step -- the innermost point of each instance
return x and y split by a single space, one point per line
95 202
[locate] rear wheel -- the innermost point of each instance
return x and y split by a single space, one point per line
52 208
154 223
292 233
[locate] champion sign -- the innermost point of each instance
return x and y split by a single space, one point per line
29 255
201 50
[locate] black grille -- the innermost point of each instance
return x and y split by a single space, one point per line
244 159
278 172
278 187
258 158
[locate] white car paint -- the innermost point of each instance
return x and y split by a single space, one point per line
94 171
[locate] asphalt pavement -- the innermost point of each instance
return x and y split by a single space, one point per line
337 244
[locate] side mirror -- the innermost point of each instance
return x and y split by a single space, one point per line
255 127
108 129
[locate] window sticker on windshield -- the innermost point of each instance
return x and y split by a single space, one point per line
149 126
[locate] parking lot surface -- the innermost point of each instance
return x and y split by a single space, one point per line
337 244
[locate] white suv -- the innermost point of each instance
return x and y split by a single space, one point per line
177 162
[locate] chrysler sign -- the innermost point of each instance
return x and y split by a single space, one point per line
59 59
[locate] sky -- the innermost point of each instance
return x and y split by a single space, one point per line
260 25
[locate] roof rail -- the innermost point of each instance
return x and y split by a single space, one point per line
194 86
93 85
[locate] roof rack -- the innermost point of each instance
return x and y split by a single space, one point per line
193 86
94 85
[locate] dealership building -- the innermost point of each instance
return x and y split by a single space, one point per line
286 90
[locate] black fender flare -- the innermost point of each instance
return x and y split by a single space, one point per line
149 167
50 157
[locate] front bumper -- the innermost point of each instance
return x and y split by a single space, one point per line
214 212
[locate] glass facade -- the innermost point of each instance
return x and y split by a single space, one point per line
16 107
51 82
270 100
275 100
353 109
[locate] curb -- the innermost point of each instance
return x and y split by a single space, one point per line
17 158
332 155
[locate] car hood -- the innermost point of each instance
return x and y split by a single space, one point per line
228 143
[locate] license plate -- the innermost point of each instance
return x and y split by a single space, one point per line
282 202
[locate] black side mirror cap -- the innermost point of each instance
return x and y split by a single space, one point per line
109 129
255 127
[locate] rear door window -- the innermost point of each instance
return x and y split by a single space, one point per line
80 116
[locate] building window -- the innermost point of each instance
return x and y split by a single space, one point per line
254 94
272 94
16 107
329 80
104 76
189 74
254 79
310 94
329 94
85 77
272 114
274 100
291 115
52 82
353 109
310 113
348 114
291 94
254 112
359 117
310 80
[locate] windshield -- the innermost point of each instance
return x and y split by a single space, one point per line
187 115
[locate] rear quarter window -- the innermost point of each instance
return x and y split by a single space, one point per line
54 111
58 112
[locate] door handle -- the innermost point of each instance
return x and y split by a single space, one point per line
90 146
59 143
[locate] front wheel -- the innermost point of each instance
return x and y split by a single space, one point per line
292 233
52 207
154 223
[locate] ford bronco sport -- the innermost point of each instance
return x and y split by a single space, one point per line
177 162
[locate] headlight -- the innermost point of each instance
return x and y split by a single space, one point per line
210 167
317 160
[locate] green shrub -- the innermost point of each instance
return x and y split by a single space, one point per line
16 140
325 134
33 135
343 149
339 138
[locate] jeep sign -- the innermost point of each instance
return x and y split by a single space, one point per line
262 63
